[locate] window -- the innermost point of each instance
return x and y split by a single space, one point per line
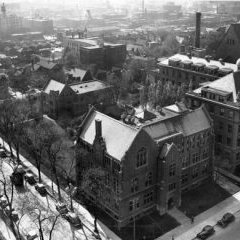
134 185
229 128
229 141
238 142
204 168
220 125
148 198
205 153
171 187
221 111
115 185
219 138
107 178
230 114
107 161
184 178
195 172
134 204
172 169
148 181
141 157
185 162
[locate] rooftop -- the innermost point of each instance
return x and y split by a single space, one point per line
90 86
200 61
228 84
115 146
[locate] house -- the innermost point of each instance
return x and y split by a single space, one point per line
74 98
229 47
222 99
147 165
78 75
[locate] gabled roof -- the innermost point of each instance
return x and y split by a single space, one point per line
230 83
77 72
187 123
118 136
53 85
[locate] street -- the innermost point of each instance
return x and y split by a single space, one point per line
231 232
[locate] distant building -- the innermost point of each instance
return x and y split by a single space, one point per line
222 99
9 23
229 48
38 25
181 69
94 51
150 164
4 84
74 98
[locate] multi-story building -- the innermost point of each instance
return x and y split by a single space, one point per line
94 51
148 164
181 69
222 100
74 98
229 47
9 23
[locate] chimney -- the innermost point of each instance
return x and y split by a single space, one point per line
98 126
221 61
198 29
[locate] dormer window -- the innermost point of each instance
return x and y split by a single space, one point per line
141 157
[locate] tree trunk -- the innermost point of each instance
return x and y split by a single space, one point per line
39 172
17 151
57 182
10 147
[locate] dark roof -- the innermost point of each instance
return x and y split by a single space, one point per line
46 64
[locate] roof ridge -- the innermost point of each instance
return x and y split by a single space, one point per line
120 122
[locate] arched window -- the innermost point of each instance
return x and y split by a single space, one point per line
141 157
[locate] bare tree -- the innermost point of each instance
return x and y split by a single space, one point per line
51 223
93 183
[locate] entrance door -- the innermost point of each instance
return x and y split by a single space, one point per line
170 203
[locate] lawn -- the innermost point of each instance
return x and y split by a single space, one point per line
202 198
151 226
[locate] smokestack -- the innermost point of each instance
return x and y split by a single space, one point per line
198 29
98 126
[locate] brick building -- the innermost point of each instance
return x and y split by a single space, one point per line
221 98
74 98
180 69
229 48
94 51
149 165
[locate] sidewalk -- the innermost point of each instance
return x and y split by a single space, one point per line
104 231
188 231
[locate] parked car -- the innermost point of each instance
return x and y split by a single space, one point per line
15 216
30 178
7 210
3 153
74 219
62 208
41 189
17 176
32 235
206 232
226 219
